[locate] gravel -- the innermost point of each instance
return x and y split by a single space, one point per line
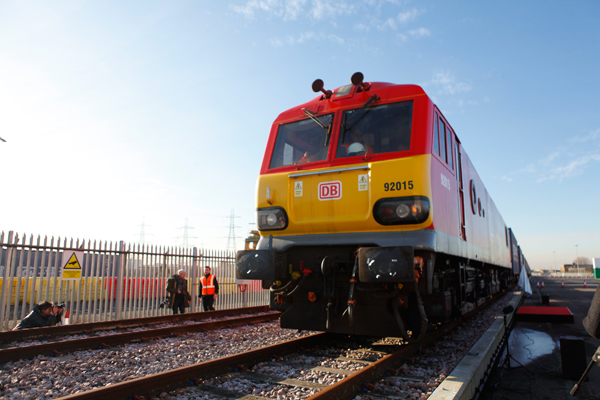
85 370
433 365
48 378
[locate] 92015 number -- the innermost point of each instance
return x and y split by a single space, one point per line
395 186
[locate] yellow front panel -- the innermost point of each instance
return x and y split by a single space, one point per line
344 202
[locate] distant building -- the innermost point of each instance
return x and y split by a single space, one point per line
574 269
252 240
543 272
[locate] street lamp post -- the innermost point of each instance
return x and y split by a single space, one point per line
577 259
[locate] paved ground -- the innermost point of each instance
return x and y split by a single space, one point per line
537 347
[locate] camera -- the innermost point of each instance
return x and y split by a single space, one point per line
61 305
164 303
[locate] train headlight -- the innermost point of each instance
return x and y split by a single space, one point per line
401 210
271 219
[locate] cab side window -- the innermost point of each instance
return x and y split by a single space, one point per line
443 154
436 140
450 135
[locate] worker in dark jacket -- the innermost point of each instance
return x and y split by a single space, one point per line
179 297
43 314
208 290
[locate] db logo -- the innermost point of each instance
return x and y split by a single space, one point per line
330 190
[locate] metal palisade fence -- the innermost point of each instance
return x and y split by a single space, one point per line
118 280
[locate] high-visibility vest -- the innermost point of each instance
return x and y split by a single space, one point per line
208 285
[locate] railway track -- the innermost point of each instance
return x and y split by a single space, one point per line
54 346
257 374
51 332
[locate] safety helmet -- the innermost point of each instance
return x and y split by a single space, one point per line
356 149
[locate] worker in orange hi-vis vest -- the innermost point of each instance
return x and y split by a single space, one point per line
209 289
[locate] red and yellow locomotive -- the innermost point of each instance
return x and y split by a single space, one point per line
372 219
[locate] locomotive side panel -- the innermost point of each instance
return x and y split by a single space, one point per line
484 226
500 248
478 210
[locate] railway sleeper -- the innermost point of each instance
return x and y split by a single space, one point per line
258 378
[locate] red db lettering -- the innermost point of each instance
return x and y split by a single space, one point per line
330 190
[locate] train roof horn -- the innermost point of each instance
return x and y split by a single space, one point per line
357 80
317 86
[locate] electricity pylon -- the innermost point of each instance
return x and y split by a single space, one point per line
231 238
143 233
186 236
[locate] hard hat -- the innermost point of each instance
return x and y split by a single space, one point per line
356 148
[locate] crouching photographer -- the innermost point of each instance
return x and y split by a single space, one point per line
43 314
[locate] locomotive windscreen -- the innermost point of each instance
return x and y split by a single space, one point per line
380 129
301 142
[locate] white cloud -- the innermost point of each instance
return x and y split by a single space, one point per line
419 33
361 27
575 167
407 16
448 83
379 3
293 8
248 10
305 37
336 39
389 23
587 138
567 162
322 9
290 10
393 23
549 159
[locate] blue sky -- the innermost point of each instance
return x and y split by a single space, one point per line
119 112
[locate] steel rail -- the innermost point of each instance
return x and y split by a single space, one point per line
52 331
185 376
57 348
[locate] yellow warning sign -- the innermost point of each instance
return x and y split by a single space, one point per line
73 263
298 189
363 182
71 274
72 267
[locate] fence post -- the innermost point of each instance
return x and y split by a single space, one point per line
120 280
5 283
194 284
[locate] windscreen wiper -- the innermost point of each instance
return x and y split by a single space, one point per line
312 116
346 124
